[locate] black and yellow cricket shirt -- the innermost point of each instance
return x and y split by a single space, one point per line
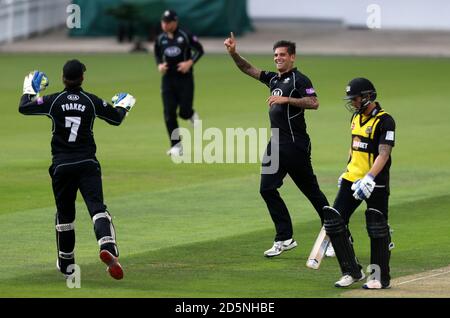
368 132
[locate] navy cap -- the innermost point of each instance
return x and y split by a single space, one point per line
73 70
169 16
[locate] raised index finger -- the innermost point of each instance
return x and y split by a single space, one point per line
232 35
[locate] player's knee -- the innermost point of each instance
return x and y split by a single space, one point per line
64 217
66 211
377 226
333 221
186 114
265 193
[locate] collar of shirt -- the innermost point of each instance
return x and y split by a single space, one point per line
376 110
75 89
287 74
174 33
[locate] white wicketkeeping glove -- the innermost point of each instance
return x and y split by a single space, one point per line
124 100
363 187
35 82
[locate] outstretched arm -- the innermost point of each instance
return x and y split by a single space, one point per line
241 63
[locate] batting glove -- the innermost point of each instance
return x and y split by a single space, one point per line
124 100
364 187
35 82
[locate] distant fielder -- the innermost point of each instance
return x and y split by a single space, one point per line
175 60
74 165
366 179
291 93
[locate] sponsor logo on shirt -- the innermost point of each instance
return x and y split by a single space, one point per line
73 97
172 51
277 92
358 144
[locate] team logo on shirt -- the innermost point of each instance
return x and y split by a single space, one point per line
73 97
104 103
172 51
277 92
180 39
369 130
286 80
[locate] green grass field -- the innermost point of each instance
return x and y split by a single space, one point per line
199 230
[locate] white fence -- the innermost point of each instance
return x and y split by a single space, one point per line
22 18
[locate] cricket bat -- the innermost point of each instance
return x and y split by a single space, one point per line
318 250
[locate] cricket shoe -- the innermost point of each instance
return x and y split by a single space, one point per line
375 284
195 118
176 150
348 280
330 251
114 267
279 247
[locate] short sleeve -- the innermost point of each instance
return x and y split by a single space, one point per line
265 77
387 131
305 87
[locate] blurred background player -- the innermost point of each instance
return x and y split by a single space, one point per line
173 54
291 93
74 164
366 179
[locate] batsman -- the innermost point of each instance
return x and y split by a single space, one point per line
365 179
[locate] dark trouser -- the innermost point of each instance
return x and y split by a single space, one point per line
380 239
295 161
177 90
67 178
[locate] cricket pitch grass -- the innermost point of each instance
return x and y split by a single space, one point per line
199 230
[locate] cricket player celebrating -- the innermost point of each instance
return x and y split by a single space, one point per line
291 93
74 165
366 179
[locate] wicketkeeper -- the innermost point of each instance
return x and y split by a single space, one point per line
366 179
74 165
